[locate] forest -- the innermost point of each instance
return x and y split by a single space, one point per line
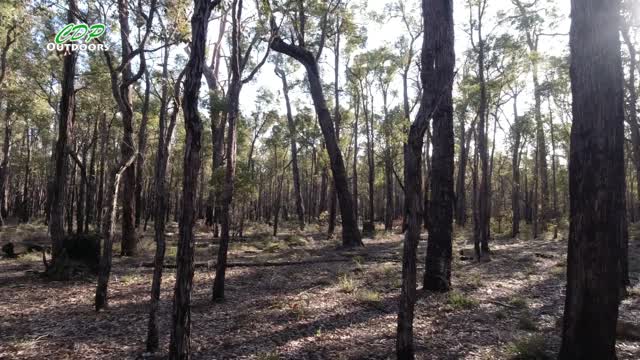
319 179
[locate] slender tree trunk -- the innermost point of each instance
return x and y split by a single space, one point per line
354 178
142 148
108 227
596 183
91 184
388 164
515 170
105 130
26 198
4 165
294 150
233 113
461 206
179 346
337 118
162 158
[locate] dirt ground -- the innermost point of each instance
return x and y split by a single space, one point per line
341 306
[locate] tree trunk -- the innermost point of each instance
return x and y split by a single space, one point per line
162 158
596 183
515 170
337 118
179 347
297 193
354 178
4 166
142 147
436 74
61 162
109 216
369 227
350 232
482 230
129 242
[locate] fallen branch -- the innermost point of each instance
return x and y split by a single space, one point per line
501 304
270 263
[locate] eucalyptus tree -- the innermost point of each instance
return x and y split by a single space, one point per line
242 54
597 222
385 67
298 48
218 122
166 126
122 78
437 75
179 346
281 71
478 43
532 18
60 160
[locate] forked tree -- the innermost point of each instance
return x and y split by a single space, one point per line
436 74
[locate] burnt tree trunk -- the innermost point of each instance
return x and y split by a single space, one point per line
596 182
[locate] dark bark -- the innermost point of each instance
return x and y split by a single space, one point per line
369 227
4 165
515 171
354 177
129 242
295 171
436 73
108 227
218 124
165 132
596 182
350 232
482 229
388 161
461 197
91 180
142 148
179 346
61 162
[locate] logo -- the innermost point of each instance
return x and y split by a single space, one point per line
74 37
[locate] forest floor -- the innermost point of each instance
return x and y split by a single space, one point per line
341 305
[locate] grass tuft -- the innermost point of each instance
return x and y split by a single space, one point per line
529 348
346 283
459 300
